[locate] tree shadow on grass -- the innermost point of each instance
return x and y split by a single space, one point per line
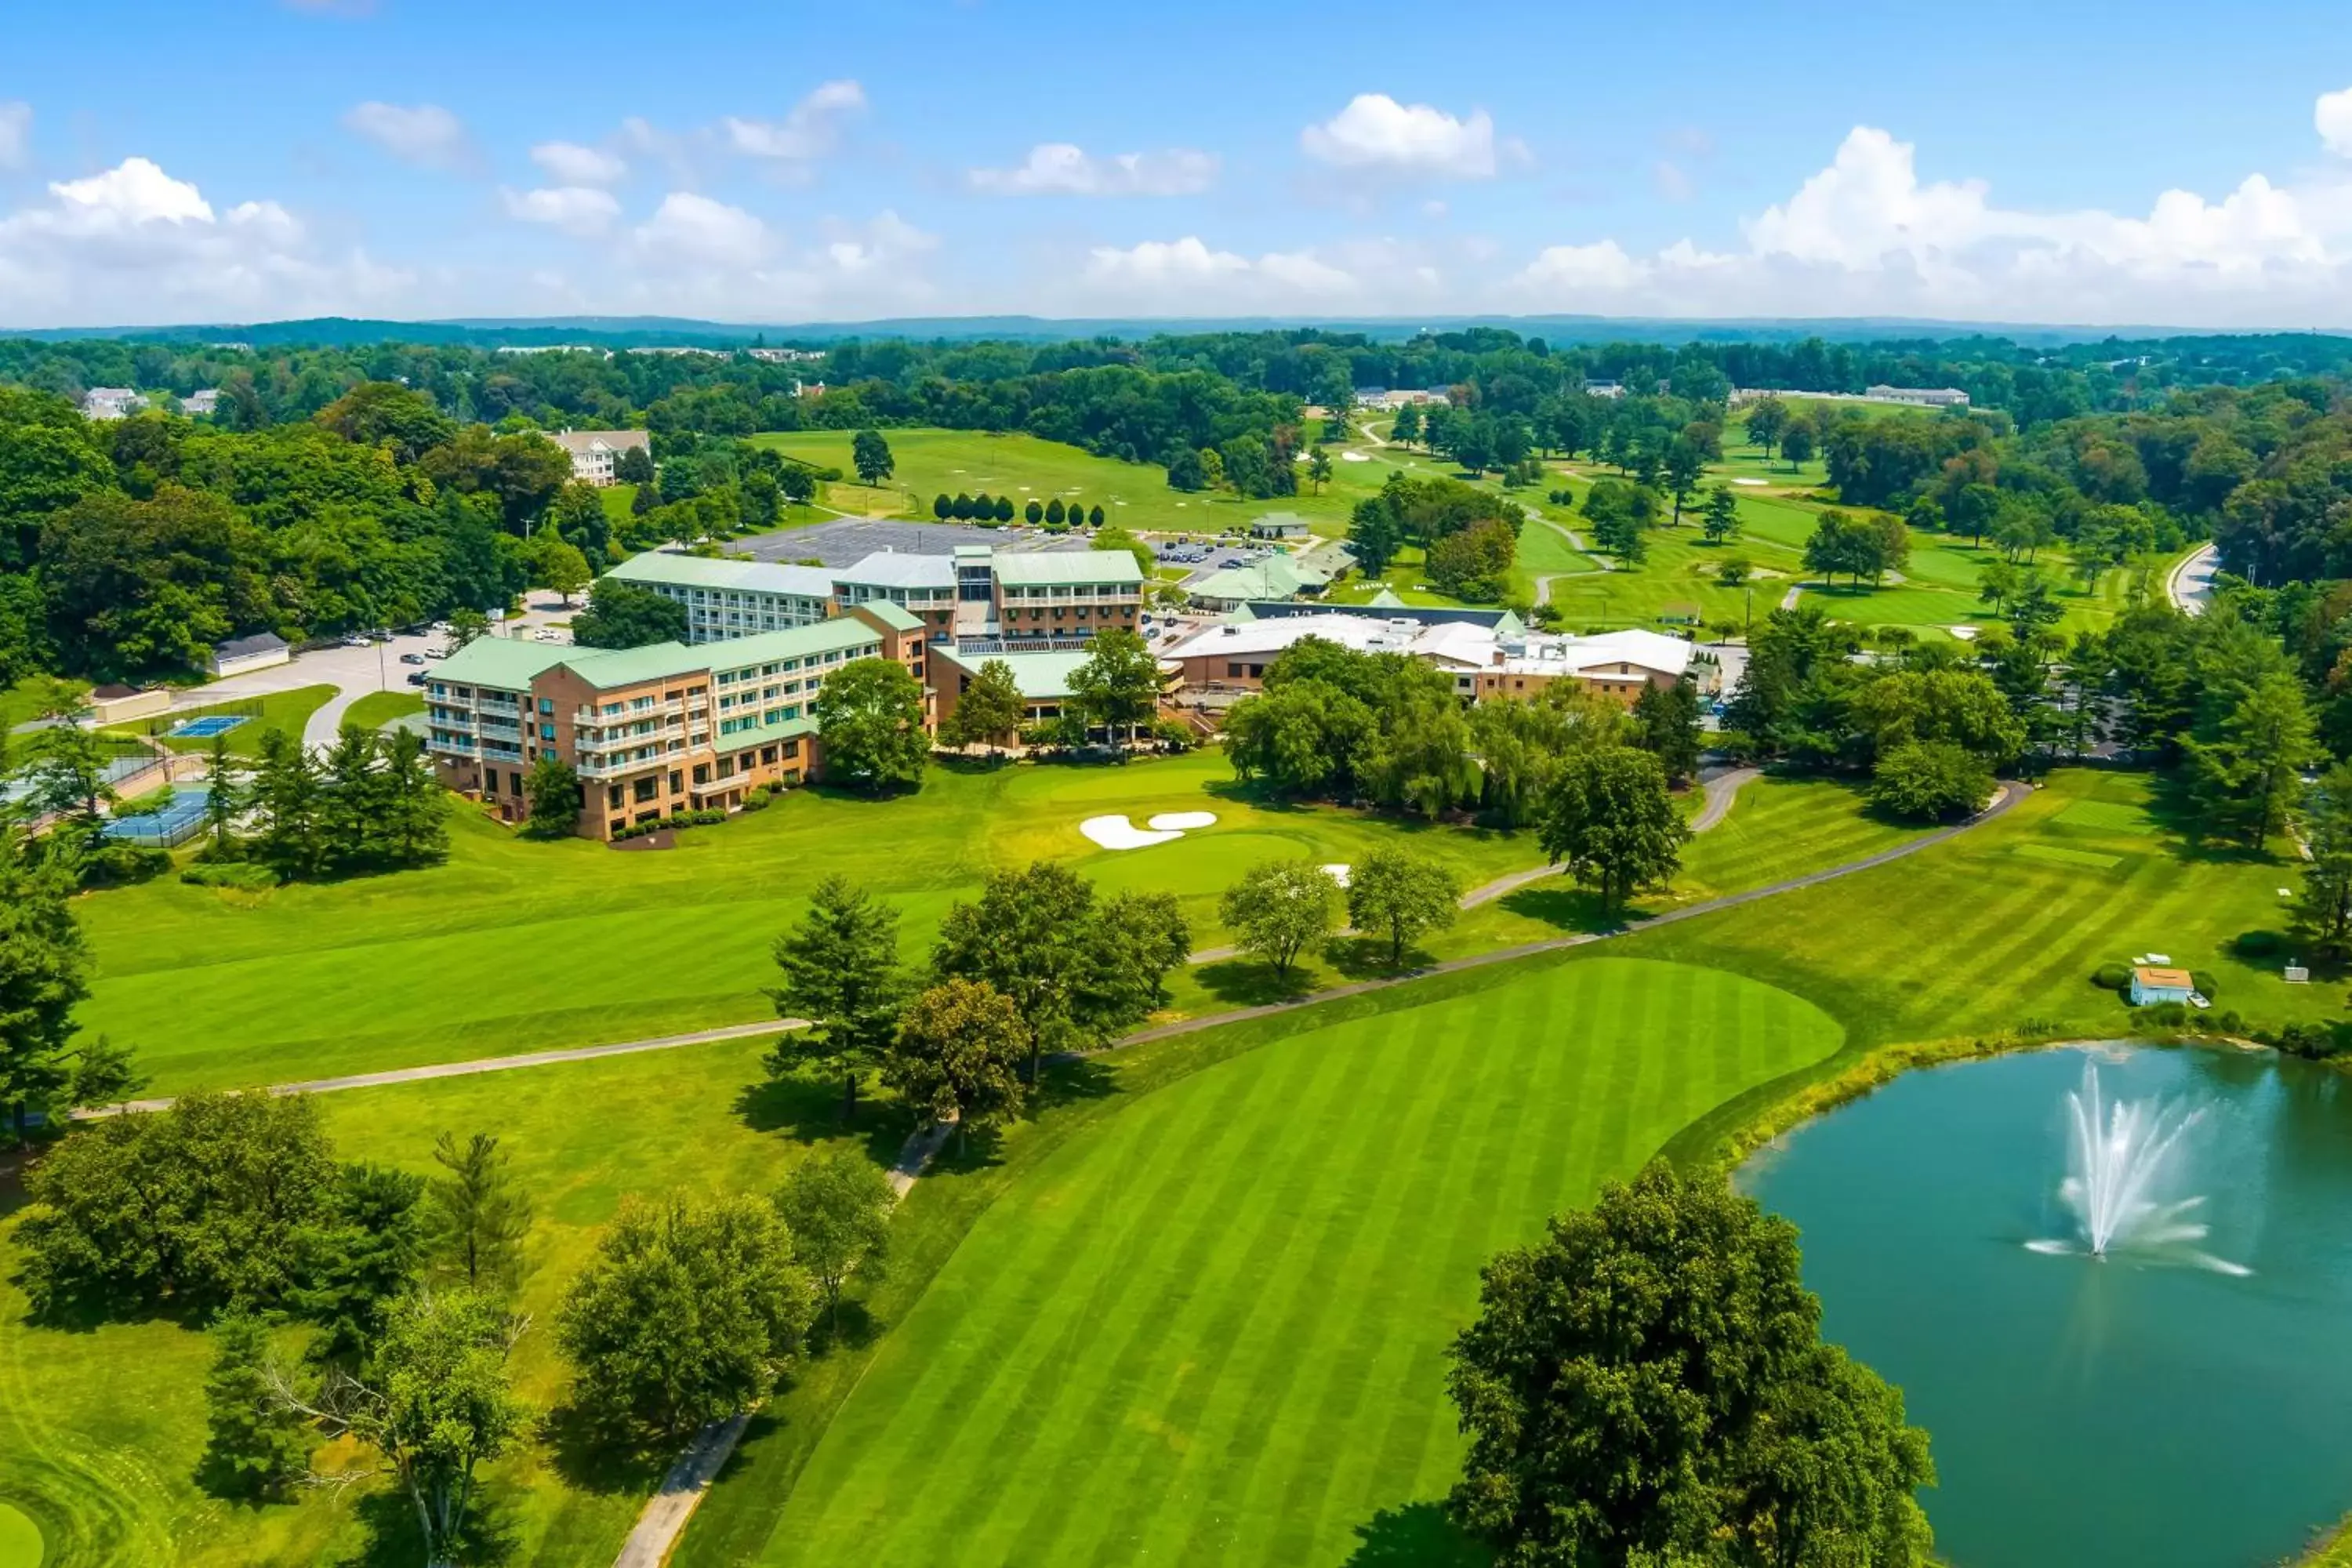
607 1459
1367 958
808 1109
1068 1080
492 1536
1417 1535
1242 983
1557 903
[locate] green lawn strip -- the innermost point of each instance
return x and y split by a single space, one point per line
1970 937
287 710
516 945
1143 1349
377 709
2058 854
931 462
1377 1124
99 1431
20 703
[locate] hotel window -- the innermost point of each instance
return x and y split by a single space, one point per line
490 781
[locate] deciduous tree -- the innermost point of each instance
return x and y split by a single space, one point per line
1611 818
869 715
1648 1384
957 1055
1280 908
870 455
1401 895
838 1206
689 1312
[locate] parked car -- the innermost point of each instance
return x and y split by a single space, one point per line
415 677
436 653
412 659
356 640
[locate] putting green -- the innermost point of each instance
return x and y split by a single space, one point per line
1213 1328
20 1540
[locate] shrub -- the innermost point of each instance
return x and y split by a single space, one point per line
247 878
112 865
2163 1019
2257 944
2112 976
758 799
2314 1041
2203 981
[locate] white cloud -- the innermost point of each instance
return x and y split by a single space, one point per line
809 132
694 230
15 134
1376 133
424 134
884 241
1867 235
569 164
2332 117
1187 277
581 210
133 244
1058 168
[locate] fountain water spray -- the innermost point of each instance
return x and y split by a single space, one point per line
2120 1156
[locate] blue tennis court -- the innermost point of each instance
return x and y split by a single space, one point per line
166 828
205 728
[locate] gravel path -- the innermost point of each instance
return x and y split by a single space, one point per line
494 1064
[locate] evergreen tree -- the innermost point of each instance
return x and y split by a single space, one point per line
44 975
103 1074
1666 725
287 799
475 1216
224 799
1033 513
1720 516
1053 512
414 824
1094 517
255 1447
2322 911
841 973
347 817
942 505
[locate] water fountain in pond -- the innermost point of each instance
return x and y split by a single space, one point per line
2122 1159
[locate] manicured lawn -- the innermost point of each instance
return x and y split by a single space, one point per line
2004 924
377 709
20 703
101 1430
934 462
1213 1326
515 944
287 710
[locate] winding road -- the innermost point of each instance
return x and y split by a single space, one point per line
2191 584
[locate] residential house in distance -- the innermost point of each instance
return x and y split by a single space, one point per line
1389 400
1604 389
111 403
1279 526
2153 982
596 454
235 656
652 730
1919 396
732 599
202 404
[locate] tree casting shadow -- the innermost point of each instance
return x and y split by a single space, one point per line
1244 982
1417 1535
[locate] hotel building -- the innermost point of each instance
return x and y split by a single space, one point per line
651 731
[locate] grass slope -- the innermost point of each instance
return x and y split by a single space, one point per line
377 709
101 1430
1214 1328
514 944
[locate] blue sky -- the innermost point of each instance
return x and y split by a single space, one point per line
787 162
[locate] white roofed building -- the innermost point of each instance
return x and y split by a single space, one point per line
1486 661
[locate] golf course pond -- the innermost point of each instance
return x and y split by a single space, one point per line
2112 1283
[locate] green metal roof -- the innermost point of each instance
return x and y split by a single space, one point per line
895 615
505 664
705 571
1272 579
1055 568
1042 676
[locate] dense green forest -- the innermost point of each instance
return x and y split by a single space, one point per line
339 488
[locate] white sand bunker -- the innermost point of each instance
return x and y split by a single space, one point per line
1353 458
1337 873
1749 480
1119 833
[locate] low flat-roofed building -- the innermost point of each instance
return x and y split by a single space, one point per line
260 651
1279 525
1483 660
732 599
1920 396
2152 984
1042 677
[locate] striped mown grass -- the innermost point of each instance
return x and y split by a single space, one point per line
1212 1327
